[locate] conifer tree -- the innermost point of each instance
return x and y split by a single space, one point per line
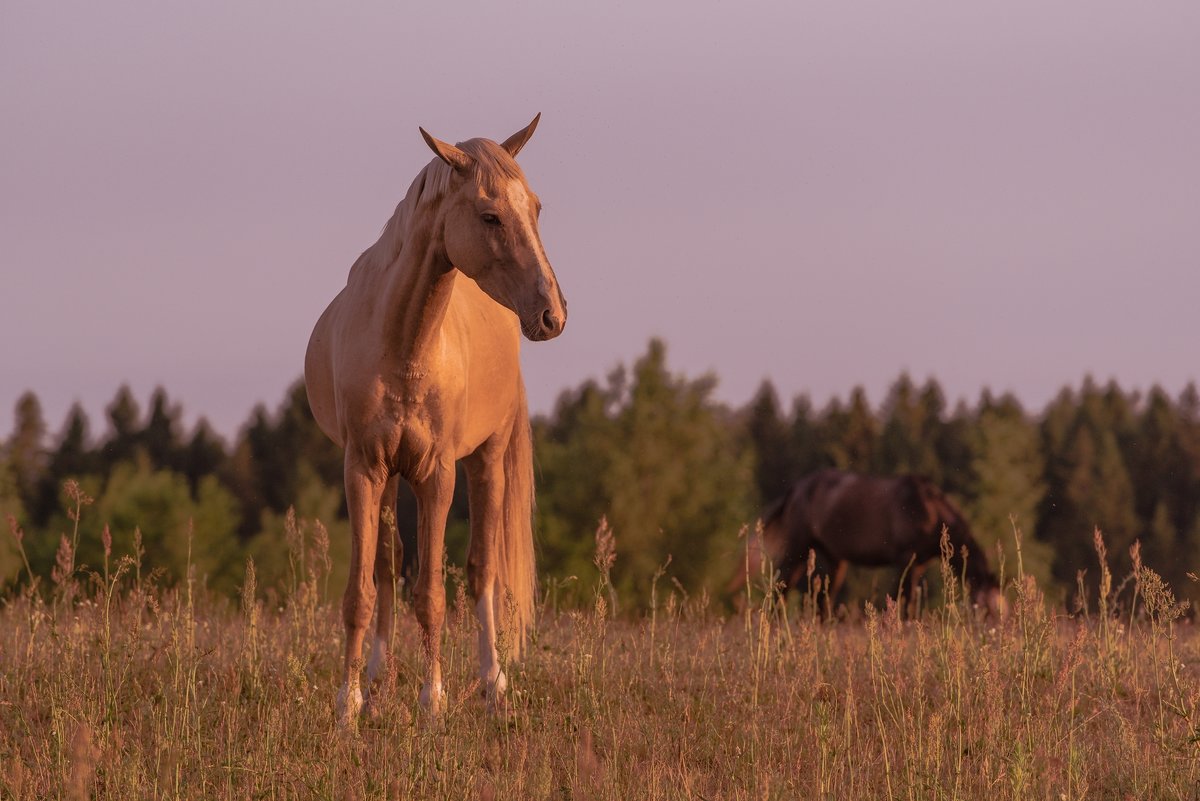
161 436
124 434
660 458
204 454
1007 470
851 434
73 458
25 450
912 430
805 439
768 433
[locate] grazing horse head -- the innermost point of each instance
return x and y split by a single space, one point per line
489 220
985 587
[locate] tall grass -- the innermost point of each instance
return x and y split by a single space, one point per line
112 686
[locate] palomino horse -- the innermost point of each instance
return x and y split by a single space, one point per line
848 518
413 366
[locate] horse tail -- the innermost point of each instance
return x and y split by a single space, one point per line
515 570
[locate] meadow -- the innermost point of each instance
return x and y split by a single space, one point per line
114 685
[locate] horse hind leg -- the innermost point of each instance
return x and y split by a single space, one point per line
835 586
386 565
486 495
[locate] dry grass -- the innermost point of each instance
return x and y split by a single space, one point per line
113 688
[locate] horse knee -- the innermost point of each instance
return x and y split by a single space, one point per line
429 606
357 607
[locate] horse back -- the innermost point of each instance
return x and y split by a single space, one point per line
864 519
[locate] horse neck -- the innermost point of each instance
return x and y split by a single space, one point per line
977 565
416 290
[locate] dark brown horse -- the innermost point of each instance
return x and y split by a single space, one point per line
875 521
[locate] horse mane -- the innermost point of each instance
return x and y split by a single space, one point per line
491 167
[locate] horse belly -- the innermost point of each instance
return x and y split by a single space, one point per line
318 376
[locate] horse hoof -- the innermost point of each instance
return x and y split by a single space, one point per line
495 691
349 704
433 699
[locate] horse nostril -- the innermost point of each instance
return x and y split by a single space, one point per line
550 322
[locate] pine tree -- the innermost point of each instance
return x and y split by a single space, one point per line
1096 492
25 450
73 458
955 450
656 455
851 434
124 435
575 447
204 455
804 437
1007 471
768 433
11 563
161 438
912 430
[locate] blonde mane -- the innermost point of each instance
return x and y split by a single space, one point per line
491 167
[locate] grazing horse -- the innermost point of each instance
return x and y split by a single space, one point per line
876 521
413 366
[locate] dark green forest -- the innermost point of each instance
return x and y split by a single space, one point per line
676 474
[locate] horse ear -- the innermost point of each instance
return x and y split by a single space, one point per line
514 143
448 153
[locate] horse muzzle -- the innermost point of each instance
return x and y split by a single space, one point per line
549 323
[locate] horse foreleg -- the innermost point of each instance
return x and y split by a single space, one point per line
486 494
429 596
914 586
385 587
363 491
835 587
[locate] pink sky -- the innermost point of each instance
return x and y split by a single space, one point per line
1002 194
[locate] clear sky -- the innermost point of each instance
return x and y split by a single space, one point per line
824 193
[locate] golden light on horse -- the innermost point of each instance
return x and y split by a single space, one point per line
414 366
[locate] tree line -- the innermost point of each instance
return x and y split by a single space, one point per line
675 473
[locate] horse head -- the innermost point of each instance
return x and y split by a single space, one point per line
489 227
984 585
946 516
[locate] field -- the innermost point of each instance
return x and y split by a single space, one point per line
114 687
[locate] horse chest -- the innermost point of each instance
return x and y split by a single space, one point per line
409 434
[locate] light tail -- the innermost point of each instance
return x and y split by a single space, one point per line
516 574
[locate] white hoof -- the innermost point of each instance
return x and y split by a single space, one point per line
349 704
433 698
378 662
498 686
494 691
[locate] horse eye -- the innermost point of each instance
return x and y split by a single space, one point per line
490 219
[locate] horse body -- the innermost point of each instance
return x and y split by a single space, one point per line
848 518
414 366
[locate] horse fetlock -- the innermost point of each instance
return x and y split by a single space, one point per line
495 688
378 662
433 698
349 704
